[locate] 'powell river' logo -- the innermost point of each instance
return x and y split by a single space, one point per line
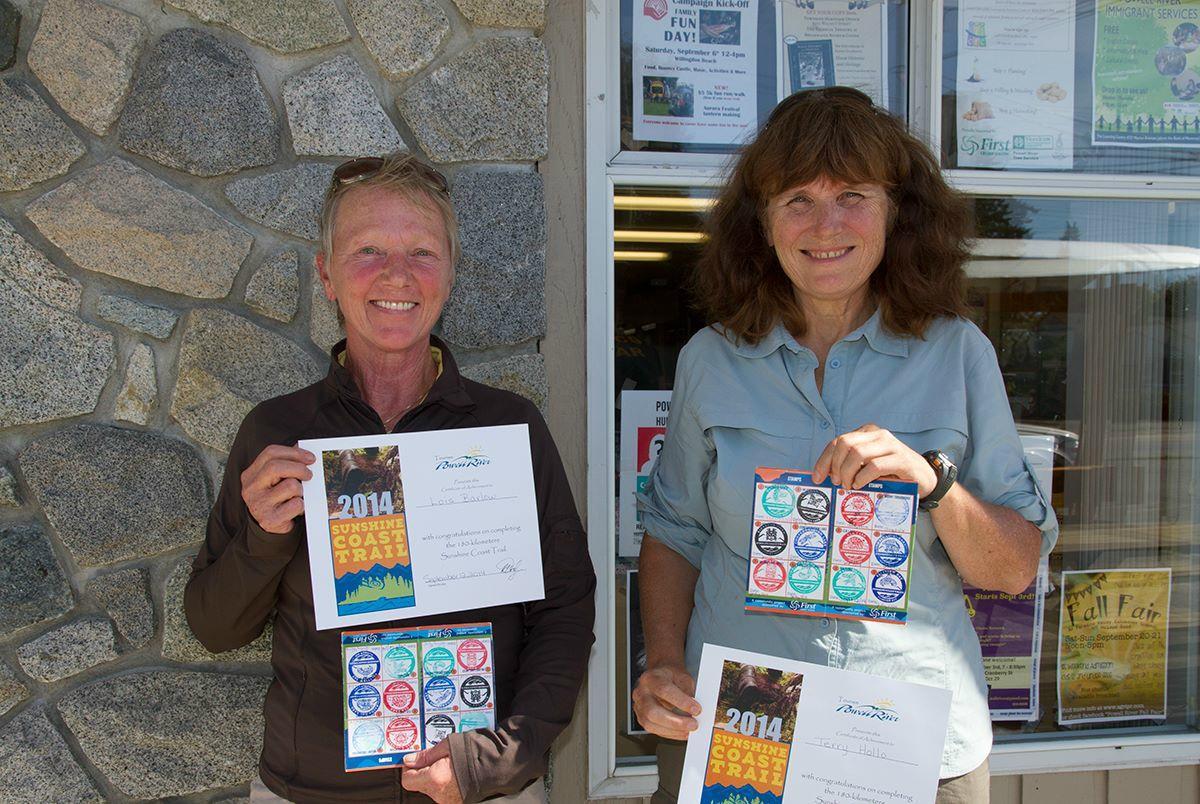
880 710
471 459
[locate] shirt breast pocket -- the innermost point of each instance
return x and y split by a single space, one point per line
744 440
922 431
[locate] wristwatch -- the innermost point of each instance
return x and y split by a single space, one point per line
946 472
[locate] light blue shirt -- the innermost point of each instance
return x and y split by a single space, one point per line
736 407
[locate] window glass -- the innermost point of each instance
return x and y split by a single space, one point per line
1093 86
695 79
1092 308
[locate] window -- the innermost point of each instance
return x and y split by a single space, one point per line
1085 276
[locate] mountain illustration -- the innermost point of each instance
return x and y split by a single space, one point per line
375 589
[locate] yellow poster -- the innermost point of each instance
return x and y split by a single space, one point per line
1112 645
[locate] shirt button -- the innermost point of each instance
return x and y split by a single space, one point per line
835 363
824 425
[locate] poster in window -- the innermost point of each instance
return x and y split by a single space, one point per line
1015 85
1009 628
643 433
1146 74
828 42
1112 648
695 70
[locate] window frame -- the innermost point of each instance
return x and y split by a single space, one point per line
606 167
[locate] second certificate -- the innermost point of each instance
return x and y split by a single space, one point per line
411 524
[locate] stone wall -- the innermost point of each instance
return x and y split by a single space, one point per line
161 165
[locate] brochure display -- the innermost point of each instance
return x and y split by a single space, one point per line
410 524
774 730
1015 86
1146 74
695 70
1112 648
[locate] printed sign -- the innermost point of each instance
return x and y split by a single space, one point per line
410 524
1015 87
1146 74
774 730
643 432
1112 645
831 552
695 70
828 42
382 671
1009 628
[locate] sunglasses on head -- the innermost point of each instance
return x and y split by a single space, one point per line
367 166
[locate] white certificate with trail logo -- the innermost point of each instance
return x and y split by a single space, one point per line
411 524
775 730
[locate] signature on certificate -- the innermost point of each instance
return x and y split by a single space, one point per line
509 568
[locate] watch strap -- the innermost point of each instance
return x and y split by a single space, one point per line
947 474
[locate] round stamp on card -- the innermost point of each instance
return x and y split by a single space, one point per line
364 700
857 508
892 510
770 539
777 501
363 666
438 728
891 550
473 720
439 661
475 692
888 586
854 547
810 543
769 575
399 696
399 662
402 734
849 584
439 692
804 577
367 738
472 654
813 505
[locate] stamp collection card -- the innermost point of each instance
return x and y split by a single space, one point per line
779 731
407 689
822 550
405 525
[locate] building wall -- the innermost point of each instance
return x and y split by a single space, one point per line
161 165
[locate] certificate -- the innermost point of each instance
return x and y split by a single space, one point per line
778 730
412 524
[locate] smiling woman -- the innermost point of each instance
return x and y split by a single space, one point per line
833 283
389 248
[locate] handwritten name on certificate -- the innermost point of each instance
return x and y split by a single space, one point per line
776 730
410 524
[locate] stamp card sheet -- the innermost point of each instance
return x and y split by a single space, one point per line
822 550
407 689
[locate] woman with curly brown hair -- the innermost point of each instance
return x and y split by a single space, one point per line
833 278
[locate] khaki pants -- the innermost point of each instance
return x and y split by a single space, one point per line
535 793
970 788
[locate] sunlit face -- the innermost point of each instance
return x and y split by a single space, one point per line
829 237
389 272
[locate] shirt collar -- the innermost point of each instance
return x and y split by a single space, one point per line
448 389
878 338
